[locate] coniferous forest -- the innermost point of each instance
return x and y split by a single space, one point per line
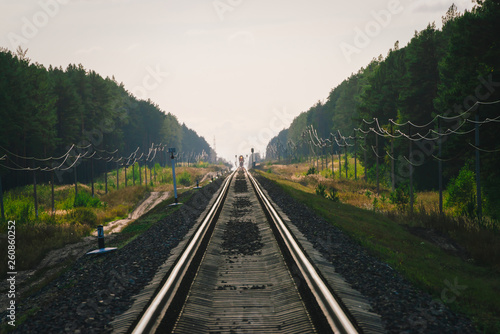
43 112
437 89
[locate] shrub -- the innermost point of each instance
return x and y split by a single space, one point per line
184 178
82 216
21 208
383 198
327 173
461 194
333 195
401 197
85 200
311 170
328 193
321 190
67 203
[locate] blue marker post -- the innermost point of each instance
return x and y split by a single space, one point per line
100 237
172 159
100 242
197 184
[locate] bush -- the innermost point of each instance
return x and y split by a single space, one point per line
401 197
21 208
311 170
333 195
321 190
328 193
461 193
82 216
327 173
184 178
85 200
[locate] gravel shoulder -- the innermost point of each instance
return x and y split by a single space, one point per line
403 307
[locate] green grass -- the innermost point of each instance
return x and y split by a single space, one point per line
423 263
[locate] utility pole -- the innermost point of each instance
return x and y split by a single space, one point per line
366 164
355 156
411 168
376 157
393 177
440 168
478 171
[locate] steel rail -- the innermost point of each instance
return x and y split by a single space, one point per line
336 317
151 318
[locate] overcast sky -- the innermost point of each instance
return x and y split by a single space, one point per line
236 70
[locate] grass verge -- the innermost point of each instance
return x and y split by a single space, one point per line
77 216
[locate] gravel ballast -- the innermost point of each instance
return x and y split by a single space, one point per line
97 288
403 308
88 296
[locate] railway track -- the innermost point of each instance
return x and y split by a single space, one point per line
244 271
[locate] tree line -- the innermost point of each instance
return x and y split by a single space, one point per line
43 111
439 72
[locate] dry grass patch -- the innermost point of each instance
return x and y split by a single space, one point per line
118 204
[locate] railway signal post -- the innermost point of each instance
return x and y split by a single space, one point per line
172 159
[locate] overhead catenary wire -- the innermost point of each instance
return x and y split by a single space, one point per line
37 159
430 136
467 112
484 150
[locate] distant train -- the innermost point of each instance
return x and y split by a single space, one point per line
242 160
